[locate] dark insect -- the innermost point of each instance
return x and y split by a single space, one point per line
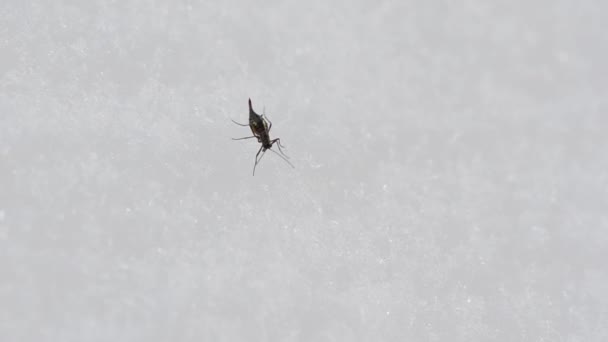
260 127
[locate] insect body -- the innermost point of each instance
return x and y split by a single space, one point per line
260 127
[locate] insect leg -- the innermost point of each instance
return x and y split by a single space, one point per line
278 141
282 157
256 158
240 124
253 136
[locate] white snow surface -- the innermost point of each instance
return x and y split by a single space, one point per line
451 179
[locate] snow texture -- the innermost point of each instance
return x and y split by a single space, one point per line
450 185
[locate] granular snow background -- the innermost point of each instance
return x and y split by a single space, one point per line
450 180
